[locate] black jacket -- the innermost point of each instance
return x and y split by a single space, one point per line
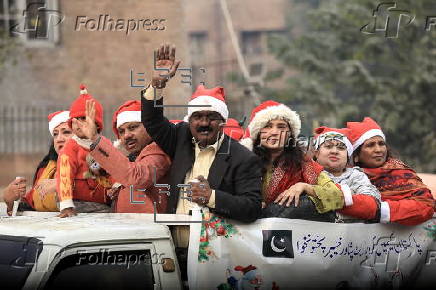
235 173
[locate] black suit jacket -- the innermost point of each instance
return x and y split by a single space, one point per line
235 173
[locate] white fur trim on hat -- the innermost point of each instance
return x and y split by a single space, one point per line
57 120
247 142
367 135
128 116
321 139
281 112
208 103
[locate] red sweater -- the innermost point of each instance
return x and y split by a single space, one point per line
70 177
139 174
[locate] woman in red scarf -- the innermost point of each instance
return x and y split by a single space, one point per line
406 199
288 173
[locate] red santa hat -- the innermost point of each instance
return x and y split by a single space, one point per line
232 129
57 118
208 100
362 131
78 108
341 135
130 111
265 112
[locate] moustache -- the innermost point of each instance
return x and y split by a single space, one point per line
204 129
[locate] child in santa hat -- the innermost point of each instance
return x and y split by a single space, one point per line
333 151
405 198
77 178
42 195
272 134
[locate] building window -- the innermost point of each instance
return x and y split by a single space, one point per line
8 16
198 43
251 42
35 22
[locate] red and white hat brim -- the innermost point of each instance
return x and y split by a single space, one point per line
321 138
367 135
128 116
57 120
208 103
280 112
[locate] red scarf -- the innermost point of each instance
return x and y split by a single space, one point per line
395 181
282 179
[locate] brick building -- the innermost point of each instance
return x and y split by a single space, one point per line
212 49
90 45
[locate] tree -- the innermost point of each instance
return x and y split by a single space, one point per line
345 74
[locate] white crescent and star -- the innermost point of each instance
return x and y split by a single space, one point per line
276 249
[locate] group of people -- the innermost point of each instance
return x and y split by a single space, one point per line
208 160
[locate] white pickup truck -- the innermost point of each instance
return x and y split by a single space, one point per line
90 251
133 251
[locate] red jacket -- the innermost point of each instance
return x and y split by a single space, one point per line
71 177
139 174
363 207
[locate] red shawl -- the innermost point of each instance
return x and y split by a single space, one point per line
282 179
395 181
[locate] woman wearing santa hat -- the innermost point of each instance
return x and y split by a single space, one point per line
287 172
405 198
42 195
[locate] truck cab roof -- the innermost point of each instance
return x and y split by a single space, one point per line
83 228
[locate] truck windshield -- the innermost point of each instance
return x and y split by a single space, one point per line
104 270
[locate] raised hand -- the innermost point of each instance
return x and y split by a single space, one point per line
165 61
87 126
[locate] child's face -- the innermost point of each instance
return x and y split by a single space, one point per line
332 154
76 129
